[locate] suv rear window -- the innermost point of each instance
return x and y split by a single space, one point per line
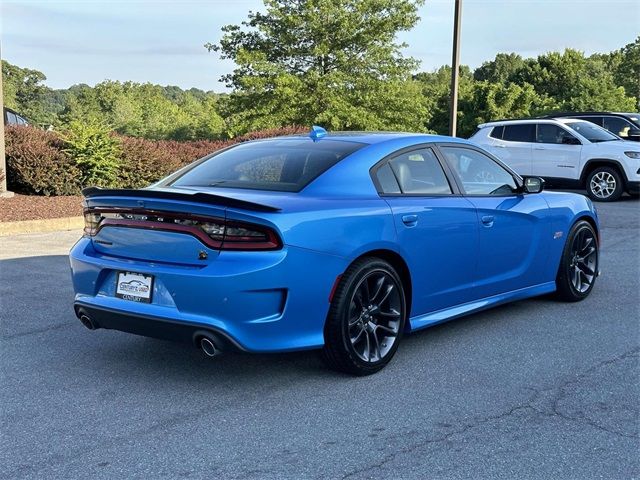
496 132
279 164
524 132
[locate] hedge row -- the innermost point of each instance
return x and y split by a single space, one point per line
38 162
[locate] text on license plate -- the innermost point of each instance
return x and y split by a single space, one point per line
134 286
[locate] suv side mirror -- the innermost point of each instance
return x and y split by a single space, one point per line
570 141
533 184
633 134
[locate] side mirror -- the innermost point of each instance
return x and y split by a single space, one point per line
533 184
633 134
570 141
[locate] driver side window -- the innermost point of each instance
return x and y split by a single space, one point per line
478 173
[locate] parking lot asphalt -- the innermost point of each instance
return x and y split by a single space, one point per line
534 389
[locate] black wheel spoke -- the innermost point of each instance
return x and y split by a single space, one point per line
367 351
355 339
391 314
584 268
587 249
379 285
366 294
389 331
376 343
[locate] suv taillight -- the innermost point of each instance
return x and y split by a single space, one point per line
214 232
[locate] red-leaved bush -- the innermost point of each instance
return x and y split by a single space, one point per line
37 164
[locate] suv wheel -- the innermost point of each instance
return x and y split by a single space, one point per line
604 184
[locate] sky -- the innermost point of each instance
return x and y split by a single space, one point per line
160 41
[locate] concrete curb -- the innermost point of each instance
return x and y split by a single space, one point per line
40 226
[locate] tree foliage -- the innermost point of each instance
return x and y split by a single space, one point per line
146 110
332 62
336 63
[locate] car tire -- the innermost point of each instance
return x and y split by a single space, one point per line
578 268
605 184
366 318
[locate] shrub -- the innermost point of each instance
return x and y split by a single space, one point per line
95 151
36 163
45 163
147 161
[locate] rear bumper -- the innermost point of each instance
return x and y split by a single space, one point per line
257 301
173 330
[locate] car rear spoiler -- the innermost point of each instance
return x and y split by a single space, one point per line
200 197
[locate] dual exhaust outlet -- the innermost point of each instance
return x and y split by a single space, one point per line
203 340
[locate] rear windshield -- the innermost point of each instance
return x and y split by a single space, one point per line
280 165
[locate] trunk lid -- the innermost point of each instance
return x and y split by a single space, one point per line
163 224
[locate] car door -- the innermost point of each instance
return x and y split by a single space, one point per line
514 228
437 228
512 143
556 153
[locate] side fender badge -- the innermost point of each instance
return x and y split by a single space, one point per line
557 235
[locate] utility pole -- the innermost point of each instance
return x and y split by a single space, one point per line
3 163
455 69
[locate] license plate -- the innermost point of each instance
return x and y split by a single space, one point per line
134 286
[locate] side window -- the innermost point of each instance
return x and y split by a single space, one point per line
11 119
419 172
618 126
596 120
497 132
524 132
478 173
387 180
547 133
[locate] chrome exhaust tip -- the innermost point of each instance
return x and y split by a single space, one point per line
208 347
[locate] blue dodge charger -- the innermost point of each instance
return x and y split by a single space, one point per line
342 242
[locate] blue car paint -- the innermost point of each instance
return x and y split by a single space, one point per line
278 300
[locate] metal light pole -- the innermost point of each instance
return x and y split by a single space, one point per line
455 69
3 163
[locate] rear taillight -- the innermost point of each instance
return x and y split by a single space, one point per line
214 232
91 222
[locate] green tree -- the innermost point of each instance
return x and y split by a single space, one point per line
332 62
24 92
502 69
627 70
435 89
574 82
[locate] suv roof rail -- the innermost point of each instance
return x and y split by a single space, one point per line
510 120
570 114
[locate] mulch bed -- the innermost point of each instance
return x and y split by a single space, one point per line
32 207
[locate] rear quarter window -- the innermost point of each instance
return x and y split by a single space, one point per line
519 133
496 132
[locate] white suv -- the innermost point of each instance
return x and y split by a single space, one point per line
567 153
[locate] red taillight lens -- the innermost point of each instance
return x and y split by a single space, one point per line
249 237
213 232
91 222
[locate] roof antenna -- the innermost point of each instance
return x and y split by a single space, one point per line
317 133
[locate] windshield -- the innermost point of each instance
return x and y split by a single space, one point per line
591 131
280 165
